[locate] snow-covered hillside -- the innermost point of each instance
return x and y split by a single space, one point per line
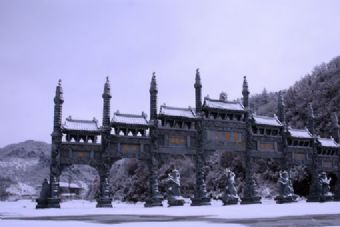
23 167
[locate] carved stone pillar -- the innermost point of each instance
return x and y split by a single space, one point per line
314 188
104 198
336 136
249 193
155 198
337 186
285 195
53 200
200 196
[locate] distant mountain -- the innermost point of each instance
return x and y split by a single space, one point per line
26 149
23 166
320 87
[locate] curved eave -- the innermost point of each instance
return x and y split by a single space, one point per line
267 125
87 132
120 124
329 147
300 138
222 110
160 116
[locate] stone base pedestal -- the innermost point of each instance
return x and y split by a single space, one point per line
53 203
286 199
337 192
336 198
313 199
200 202
251 200
326 198
229 200
178 201
153 203
104 203
322 198
41 203
48 203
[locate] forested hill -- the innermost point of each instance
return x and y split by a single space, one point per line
320 87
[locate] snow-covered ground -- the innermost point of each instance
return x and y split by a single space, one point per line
84 213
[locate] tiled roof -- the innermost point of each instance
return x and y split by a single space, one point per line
219 104
81 125
300 133
177 111
266 120
132 119
328 142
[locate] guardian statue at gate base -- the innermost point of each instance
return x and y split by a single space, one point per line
174 189
324 182
230 194
285 189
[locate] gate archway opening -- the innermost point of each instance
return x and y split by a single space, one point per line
185 164
78 181
129 179
216 164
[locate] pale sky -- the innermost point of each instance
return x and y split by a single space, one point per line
273 43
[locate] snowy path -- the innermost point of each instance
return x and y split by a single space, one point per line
83 213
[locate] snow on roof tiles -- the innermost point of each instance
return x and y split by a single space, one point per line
328 142
300 133
177 111
81 125
219 104
132 119
266 120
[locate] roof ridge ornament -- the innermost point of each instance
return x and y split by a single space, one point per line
245 85
245 93
107 88
144 114
223 96
198 83
59 93
153 84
